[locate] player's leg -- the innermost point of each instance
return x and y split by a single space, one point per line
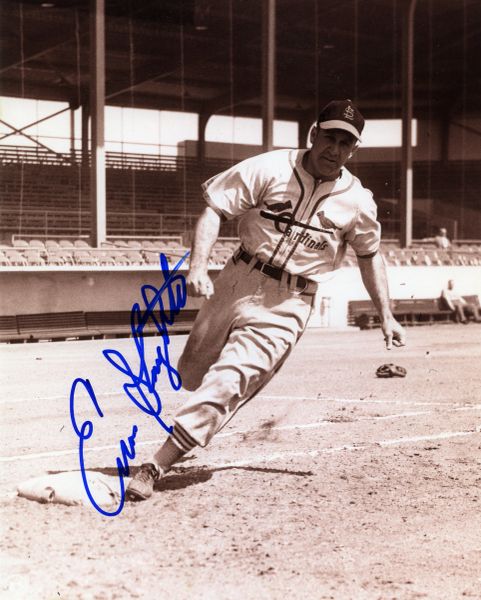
459 311
203 347
471 310
256 349
210 330
268 323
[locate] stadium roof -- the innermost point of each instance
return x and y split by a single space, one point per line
206 55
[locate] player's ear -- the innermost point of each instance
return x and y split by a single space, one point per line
354 150
313 133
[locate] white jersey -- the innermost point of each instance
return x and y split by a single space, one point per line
289 219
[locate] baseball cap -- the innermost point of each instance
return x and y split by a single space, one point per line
342 114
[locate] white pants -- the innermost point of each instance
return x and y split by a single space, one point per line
240 339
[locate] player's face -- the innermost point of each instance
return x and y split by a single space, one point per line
330 150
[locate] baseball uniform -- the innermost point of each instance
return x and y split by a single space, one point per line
293 229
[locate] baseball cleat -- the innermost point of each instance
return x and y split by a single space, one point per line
141 486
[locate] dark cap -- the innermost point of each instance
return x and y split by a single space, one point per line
342 114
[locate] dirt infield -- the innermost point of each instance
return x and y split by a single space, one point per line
331 484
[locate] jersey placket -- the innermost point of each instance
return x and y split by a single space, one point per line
288 246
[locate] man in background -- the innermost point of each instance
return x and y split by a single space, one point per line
460 307
441 240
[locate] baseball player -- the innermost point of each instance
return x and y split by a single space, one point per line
297 210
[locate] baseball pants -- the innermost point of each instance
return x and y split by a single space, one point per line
241 337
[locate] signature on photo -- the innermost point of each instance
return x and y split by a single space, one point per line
160 307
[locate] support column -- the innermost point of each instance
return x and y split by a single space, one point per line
97 103
268 72
406 200
203 119
84 160
84 134
72 133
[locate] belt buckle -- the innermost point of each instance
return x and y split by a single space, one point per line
304 282
261 269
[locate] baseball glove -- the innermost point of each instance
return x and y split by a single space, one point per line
390 370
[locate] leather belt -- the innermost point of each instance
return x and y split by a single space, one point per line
304 285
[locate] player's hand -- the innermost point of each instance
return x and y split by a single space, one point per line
199 284
394 334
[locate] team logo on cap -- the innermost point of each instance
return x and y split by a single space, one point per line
349 113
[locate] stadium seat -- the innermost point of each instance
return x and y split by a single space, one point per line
4 262
83 257
433 257
392 259
66 244
81 244
119 257
134 257
20 243
232 244
63 254
37 244
104 258
51 245
16 258
55 259
135 245
33 257
151 258
220 257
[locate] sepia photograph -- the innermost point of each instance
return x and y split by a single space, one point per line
240 316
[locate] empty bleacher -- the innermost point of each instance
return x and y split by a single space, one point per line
115 253
150 195
144 252
146 195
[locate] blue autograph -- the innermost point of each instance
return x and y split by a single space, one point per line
140 387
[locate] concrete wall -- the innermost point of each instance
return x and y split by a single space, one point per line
31 291
404 283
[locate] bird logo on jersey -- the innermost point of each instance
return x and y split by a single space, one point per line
326 223
287 224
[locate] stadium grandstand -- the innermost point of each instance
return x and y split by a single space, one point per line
114 113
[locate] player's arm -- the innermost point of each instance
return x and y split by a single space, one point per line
373 273
205 234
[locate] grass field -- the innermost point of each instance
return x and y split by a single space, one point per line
330 484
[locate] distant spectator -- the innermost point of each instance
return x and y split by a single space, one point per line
442 240
461 309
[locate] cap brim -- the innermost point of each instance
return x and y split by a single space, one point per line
335 124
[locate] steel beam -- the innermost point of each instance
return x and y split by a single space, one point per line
97 109
268 72
406 199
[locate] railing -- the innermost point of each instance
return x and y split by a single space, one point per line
118 223
47 223
113 160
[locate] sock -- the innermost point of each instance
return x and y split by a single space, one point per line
167 455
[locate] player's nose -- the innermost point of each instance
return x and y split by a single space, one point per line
334 149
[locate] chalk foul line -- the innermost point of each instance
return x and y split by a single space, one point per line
257 431
346 447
